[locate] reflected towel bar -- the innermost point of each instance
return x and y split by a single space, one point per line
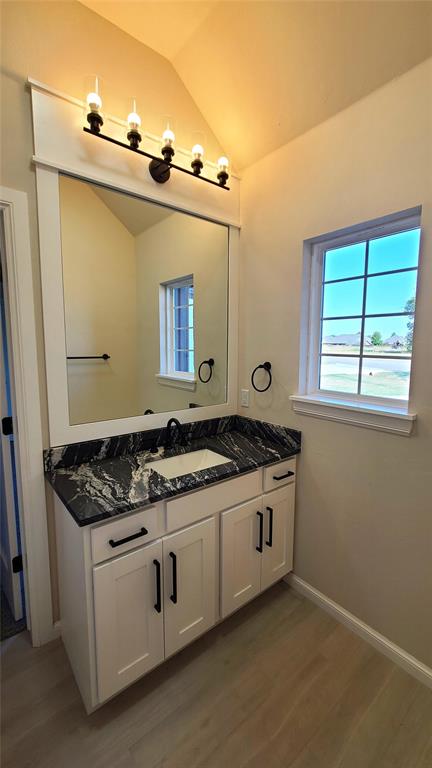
89 357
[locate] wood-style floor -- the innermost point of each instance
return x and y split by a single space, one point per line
278 685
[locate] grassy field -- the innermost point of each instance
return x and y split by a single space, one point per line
381 384
380 378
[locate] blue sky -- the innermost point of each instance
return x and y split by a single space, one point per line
388 293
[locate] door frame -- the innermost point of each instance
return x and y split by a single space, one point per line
19 300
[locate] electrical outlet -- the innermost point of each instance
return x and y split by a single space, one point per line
244 398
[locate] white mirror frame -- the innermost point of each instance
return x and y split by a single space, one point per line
61 146
60 430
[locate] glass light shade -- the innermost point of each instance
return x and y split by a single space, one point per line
197 151
94 102
134 121
168 137
223 163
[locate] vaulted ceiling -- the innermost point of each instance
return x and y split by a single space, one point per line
262 73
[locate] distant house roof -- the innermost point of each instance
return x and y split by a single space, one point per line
395 341
346 339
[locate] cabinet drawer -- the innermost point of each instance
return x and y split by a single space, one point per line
278 474
205 502
151 519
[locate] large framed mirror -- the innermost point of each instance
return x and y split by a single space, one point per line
145 292
140 304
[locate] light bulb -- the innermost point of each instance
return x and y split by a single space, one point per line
94 102
168 137
197 151
223 163
134 121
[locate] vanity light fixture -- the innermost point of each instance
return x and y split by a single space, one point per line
197 163
159 168
134 123
168 138
223 171
94 104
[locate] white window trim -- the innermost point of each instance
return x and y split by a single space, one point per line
386 414
178 381
167 376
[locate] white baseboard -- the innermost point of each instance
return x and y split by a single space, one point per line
383 644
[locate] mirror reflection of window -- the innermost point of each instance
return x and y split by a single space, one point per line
177 344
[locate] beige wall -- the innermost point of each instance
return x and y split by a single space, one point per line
99 282
61 43
178 246
364 498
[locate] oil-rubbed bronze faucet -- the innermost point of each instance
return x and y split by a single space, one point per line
168 436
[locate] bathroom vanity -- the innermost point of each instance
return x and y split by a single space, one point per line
149 561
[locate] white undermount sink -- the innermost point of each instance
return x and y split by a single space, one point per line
184 463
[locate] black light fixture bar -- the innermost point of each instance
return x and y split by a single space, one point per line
153 158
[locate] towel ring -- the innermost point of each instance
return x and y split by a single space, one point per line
210 363
266 367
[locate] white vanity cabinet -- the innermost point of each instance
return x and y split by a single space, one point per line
129 626
190 584
256 546
137 588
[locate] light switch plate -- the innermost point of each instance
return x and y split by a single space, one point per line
244 398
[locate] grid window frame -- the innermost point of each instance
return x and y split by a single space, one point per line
170 350
311 357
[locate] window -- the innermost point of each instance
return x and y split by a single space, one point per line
361 308
177 330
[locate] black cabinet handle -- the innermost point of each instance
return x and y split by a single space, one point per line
173 597
259 548
158 603
142 532
269 541
282 477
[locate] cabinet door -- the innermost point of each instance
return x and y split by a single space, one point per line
189 576
128 618
277 560
240 558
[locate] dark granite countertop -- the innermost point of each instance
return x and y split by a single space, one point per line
102 488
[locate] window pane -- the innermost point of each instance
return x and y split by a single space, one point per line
180 361
348 261
388 335
181 338
394 252
339 374
341 337
390 293
386 378
181 317
181 295
343 298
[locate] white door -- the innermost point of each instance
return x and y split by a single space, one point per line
241 542
190 584
128 617
9 525
278 508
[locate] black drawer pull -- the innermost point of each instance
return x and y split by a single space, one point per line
158 603
269 541
173 597
282 477
142 532
259 548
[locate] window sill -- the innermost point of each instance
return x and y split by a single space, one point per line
387 419
180 382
